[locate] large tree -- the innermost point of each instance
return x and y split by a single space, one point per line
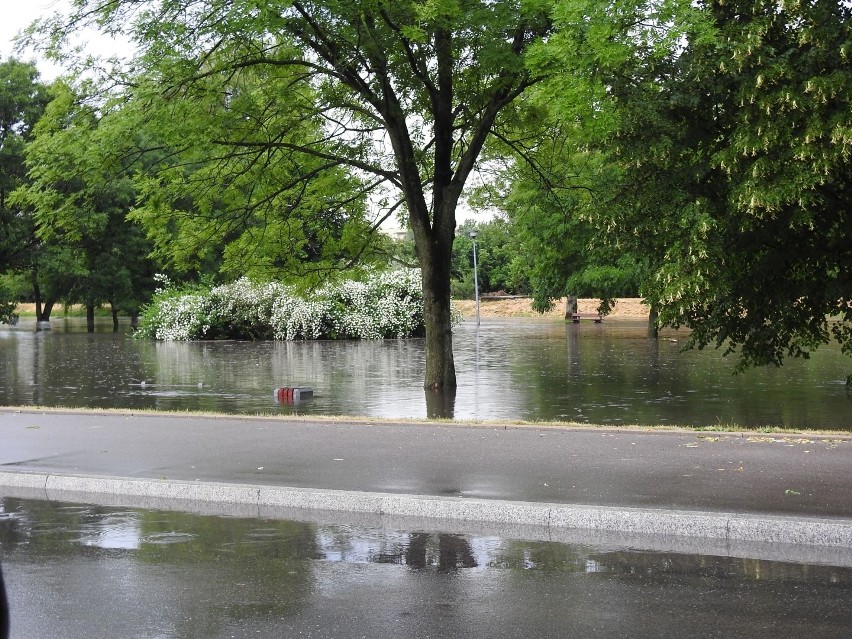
552 188
79 200
732 137
407 93
22 99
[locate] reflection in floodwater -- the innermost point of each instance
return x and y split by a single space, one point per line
4 607
609 373
81 570
440 404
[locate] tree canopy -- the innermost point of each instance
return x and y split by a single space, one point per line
79 200
22 100
728 125
550 189
502 263
401 95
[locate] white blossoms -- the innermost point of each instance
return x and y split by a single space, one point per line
384 305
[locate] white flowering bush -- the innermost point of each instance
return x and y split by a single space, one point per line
296 318
242 310
383 305
174 314
175 318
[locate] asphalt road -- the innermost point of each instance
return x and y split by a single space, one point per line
225 587
713 472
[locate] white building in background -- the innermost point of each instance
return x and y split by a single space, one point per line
395 232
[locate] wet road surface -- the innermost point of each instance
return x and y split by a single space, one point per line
739 472
79 571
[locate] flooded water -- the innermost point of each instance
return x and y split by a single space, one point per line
610 373
76 570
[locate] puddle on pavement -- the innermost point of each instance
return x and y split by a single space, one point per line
281 577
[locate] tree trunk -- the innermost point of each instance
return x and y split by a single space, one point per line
90 318
37 296
114 310
44 315
440 366
570 306
653 329
441 404
44 309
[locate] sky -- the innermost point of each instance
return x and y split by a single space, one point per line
16 15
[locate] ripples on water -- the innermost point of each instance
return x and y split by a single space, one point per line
508 369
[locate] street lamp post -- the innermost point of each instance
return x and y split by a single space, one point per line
473 235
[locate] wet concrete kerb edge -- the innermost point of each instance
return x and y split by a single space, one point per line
167 494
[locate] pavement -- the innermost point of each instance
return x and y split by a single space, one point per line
728 491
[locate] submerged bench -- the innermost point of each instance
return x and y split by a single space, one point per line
576 317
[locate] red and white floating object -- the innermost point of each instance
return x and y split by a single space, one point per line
292 395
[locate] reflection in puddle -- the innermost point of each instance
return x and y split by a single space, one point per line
54 527
85 570
112 530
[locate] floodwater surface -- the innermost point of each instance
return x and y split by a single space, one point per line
76 570
609 373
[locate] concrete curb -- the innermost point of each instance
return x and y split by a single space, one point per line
167 494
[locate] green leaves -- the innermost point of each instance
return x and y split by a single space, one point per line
720 133
733 186
234 173
22 100
78 196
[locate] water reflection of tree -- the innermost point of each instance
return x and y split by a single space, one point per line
615 372
447 553
440 404
444 551
654 564
568 558
45 528
55 368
